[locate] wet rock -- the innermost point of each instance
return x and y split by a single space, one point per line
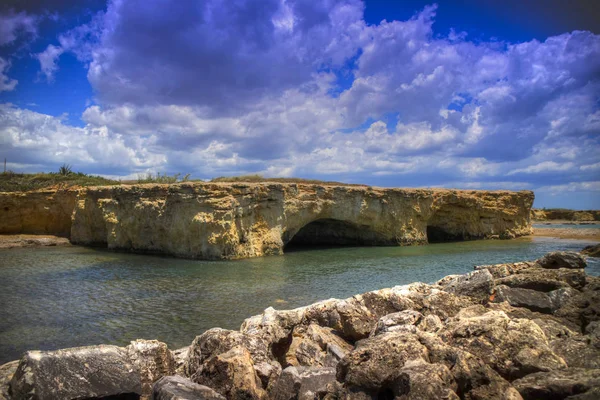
6 373
377 361
591 251
477 284
394 321
562 259
180 388
80 372
302 383
316 346
558 384
514 348
153 360
231 374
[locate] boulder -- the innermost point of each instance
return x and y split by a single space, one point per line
376 362
562 259
419 380
153 361
316 346
477 284
514 348
591 251
396 321
80 372
531 299
181 357
179 388
302 383
558 384
231 374
503 270
6 373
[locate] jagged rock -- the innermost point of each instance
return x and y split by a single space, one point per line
80 372
558 384
592 394
593 330
218 341
180 388
316 346
503 270
544 280
231 374
591 251
181 357
533 299
394 322
562 259
477 284
431 323
302 383
514 348
6 373
376 362
420 380
153 359
583 307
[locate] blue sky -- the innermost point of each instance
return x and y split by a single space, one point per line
465 94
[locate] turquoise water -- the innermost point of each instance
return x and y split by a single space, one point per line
568 226
71 296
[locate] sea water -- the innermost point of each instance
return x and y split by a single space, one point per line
58 297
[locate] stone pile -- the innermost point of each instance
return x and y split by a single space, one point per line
527 330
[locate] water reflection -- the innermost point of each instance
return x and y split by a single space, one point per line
60 297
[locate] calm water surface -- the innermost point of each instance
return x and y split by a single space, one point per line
71 296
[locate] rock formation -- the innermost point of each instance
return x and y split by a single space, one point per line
482 335
564 215
225 220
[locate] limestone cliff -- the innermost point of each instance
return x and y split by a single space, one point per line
224 220
565 215
44 212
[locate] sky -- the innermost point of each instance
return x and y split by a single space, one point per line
460 94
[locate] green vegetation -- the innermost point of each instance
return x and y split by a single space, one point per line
15 182
162 178
259 178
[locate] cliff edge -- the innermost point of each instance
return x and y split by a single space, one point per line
227 221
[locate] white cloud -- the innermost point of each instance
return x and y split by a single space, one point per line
546 166
14 24
48 61
6 84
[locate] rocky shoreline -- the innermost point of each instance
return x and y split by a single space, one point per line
528 330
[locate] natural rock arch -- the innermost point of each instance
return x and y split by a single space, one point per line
331 231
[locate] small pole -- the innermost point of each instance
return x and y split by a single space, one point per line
4 164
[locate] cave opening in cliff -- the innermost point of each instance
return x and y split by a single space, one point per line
333 233
437 234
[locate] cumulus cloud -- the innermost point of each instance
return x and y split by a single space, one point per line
6 84
13 24
230 87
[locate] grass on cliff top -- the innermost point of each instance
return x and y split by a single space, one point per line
260 179
15 182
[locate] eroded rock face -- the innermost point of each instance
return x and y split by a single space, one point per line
229 220
92 371
180 388
81 372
